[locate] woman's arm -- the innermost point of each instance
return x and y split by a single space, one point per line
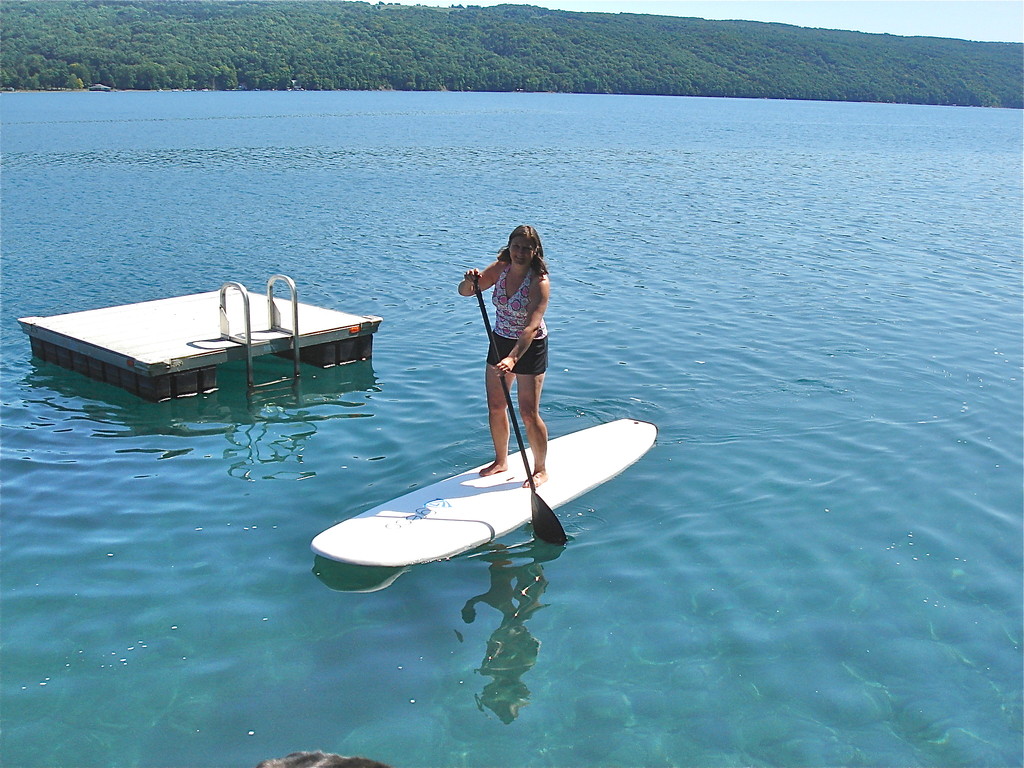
486 279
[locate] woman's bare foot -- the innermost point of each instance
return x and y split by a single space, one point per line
539 478
494 468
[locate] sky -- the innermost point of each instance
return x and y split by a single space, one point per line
986 20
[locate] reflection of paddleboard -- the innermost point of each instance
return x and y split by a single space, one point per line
459 513
343 577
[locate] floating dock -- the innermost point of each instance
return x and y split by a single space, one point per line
171 347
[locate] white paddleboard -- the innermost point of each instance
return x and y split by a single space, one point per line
467 510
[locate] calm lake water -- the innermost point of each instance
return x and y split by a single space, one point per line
818 564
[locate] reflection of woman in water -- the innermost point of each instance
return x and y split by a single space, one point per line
512 651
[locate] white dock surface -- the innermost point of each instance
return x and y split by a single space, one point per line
182 333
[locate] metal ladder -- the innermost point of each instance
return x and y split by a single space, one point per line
273 320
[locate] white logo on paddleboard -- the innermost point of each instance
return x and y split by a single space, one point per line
421 512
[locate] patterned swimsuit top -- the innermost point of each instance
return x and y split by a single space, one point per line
510 311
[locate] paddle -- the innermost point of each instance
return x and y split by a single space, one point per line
545 524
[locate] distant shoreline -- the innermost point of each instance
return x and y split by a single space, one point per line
567 93
135 45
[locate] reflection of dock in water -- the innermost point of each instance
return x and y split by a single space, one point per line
268 428
515 592
323 395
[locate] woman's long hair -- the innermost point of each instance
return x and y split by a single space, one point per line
538 265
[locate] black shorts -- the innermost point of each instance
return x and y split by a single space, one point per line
533 363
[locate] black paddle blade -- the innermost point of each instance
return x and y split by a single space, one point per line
545 524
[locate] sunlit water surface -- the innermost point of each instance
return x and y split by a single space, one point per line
818 564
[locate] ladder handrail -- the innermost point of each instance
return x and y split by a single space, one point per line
225 325
273 319
274 315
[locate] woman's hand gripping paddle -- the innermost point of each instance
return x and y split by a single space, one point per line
545 524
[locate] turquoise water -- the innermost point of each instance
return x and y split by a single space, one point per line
818 564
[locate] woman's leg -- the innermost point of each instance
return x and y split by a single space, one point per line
497 417
529 388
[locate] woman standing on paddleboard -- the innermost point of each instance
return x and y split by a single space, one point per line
520 337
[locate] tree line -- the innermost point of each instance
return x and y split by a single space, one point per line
332 45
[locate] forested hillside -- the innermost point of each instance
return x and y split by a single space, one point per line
327 44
